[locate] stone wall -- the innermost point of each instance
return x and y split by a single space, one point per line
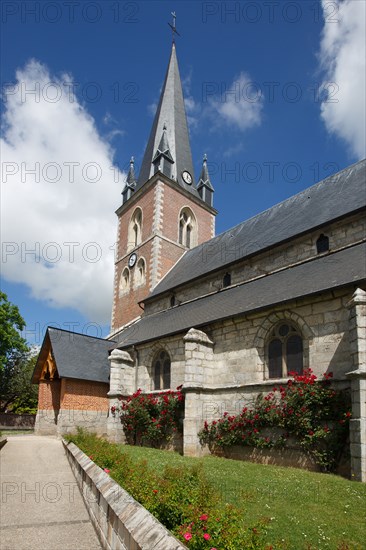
12 421
223 366
238 354
240 343
357 377
120 522
342 233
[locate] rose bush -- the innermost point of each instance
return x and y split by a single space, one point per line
151 418
311 411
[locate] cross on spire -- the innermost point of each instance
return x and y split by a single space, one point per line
173 27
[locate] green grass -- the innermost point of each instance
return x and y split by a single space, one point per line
305 509
6 432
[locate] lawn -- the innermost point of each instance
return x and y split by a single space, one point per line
305 509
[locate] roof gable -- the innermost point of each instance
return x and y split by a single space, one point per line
76 355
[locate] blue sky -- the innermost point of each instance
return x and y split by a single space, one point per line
274 95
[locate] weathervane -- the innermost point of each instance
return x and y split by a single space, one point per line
173 27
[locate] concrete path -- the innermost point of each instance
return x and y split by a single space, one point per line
41 505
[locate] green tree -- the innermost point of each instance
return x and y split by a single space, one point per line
11 322
17 362
17 394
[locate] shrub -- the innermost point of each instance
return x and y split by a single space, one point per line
181 498
310 411
151 419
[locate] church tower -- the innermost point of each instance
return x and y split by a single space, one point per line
164 211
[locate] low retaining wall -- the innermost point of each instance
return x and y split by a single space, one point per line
64 421
288 457
11 421
120 521
277 457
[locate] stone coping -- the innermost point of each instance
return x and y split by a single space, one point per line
192 387
120 521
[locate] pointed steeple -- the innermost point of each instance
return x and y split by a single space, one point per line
131 181
204 186
163 159
174 138
131 178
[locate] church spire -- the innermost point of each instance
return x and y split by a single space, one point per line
204 186
129 188
171 114
163 159
131 178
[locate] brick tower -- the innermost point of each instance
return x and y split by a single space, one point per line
164 212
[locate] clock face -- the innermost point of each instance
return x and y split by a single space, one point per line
132 260
187 178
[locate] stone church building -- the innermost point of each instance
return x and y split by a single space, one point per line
225 316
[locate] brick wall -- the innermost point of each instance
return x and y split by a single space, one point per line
84 395
49 395
147 204
161 206
173 204
126 306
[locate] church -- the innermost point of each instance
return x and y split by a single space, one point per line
227 316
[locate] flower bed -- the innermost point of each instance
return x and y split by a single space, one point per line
180 498
307 411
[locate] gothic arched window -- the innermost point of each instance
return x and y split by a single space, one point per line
187 228
161 370
322 244
226 281
135 229
124 283
140 273
285 351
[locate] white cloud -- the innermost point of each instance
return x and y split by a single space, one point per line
151 109
230 151
342 57
109 121
46 135
239 103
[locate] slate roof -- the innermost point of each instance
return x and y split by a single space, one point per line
170 112
328 200
346 267
76 355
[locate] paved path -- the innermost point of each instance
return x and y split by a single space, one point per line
41 505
